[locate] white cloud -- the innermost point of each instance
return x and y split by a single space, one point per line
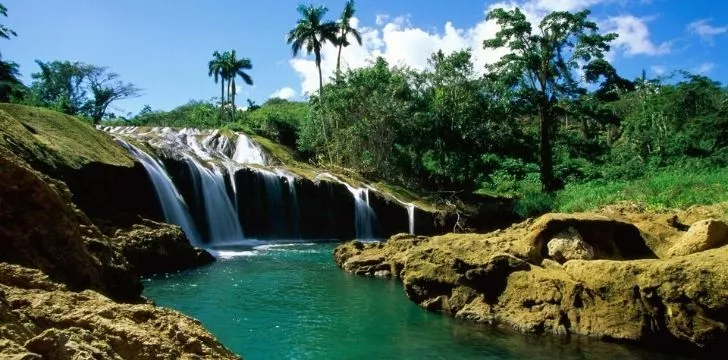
634 36
381 19
704 68
400 43
705 30
658 69
286 93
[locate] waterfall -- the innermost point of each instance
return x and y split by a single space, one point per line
294 212
364 215
173 206
411 216
220 213
230 190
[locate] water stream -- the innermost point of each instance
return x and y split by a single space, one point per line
289 301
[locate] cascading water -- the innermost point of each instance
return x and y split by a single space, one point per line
365 218
411 216
220 213
364 214
246 152
229 187
294 212
173 206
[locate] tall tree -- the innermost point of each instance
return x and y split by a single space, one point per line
235 67
345 30
10 85
541 64
60 85
311 33
105 87
76 88
216 69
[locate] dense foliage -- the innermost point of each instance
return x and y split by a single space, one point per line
449 129
551 114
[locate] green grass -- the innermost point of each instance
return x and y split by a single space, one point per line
667 189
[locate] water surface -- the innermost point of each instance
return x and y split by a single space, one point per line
292 302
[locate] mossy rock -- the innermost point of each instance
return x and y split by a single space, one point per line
57 140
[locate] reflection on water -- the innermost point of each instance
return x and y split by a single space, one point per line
285 301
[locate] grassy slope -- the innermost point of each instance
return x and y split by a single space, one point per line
56 139
664 190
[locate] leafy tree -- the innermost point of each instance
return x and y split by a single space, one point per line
10 85
105 87
311 33
216 68
252 106
5 33
60 85
345 30
234 67
540 65
76 88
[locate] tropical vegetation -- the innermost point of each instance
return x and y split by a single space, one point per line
551 123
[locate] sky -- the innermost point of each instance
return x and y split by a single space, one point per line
163 46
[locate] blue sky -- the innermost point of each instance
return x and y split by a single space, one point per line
163 45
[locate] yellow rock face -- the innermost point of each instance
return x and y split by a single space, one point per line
506 277
40 319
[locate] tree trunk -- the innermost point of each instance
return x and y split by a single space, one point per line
321 98
338 62
232 99
547 167
222 100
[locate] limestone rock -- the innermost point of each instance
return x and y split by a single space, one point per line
40 320
702 235
506 278
42 229
152 248
568 245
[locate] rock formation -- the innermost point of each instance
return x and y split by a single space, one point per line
67 289
510 277
41 319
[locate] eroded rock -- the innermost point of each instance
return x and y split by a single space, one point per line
505 277
39 319
153 248
702 235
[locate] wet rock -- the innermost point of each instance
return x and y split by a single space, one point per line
153 248
505 277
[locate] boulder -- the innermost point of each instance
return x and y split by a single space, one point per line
40 319
702 235
41 228
507 277
568 245
153 248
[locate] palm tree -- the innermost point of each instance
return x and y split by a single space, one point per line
235 67
216 68
345 29
311 33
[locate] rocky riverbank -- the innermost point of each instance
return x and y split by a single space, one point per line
69 281
621 275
